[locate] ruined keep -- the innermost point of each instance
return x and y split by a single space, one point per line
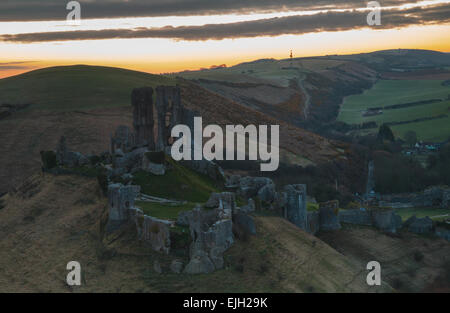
143 116
169 113
153 122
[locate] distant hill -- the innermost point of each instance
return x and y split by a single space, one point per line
301 91
404 59
76 87
309 91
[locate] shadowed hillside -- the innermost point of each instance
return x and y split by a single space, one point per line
409 262
55 219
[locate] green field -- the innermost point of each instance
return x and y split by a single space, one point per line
391 92
76 87
179 183
433 130
164 211
436 214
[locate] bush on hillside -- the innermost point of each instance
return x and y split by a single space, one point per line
48 159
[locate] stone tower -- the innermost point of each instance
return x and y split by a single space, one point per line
169 113
143 116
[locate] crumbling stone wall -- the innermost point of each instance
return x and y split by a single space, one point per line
445 198
295 207
384 219
123 139
121 200
225 202
312 222
419 225
153 231
356 216
432 196
443 233
69 158
249 187
329 215
211 232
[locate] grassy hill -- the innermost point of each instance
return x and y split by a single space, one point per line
76 87
269 71
385 60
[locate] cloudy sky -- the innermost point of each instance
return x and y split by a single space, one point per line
173 35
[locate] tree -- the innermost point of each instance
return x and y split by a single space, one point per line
385 133
410 137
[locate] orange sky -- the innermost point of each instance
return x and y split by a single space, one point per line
166 55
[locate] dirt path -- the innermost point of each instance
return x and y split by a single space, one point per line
301 85
298 84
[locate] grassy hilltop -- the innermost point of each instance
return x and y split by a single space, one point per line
76 87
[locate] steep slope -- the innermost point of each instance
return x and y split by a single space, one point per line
51 220
216 109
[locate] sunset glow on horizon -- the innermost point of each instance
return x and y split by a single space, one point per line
164 55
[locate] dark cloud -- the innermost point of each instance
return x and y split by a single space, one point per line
16 62
331 21
13 67
27 10
19 65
